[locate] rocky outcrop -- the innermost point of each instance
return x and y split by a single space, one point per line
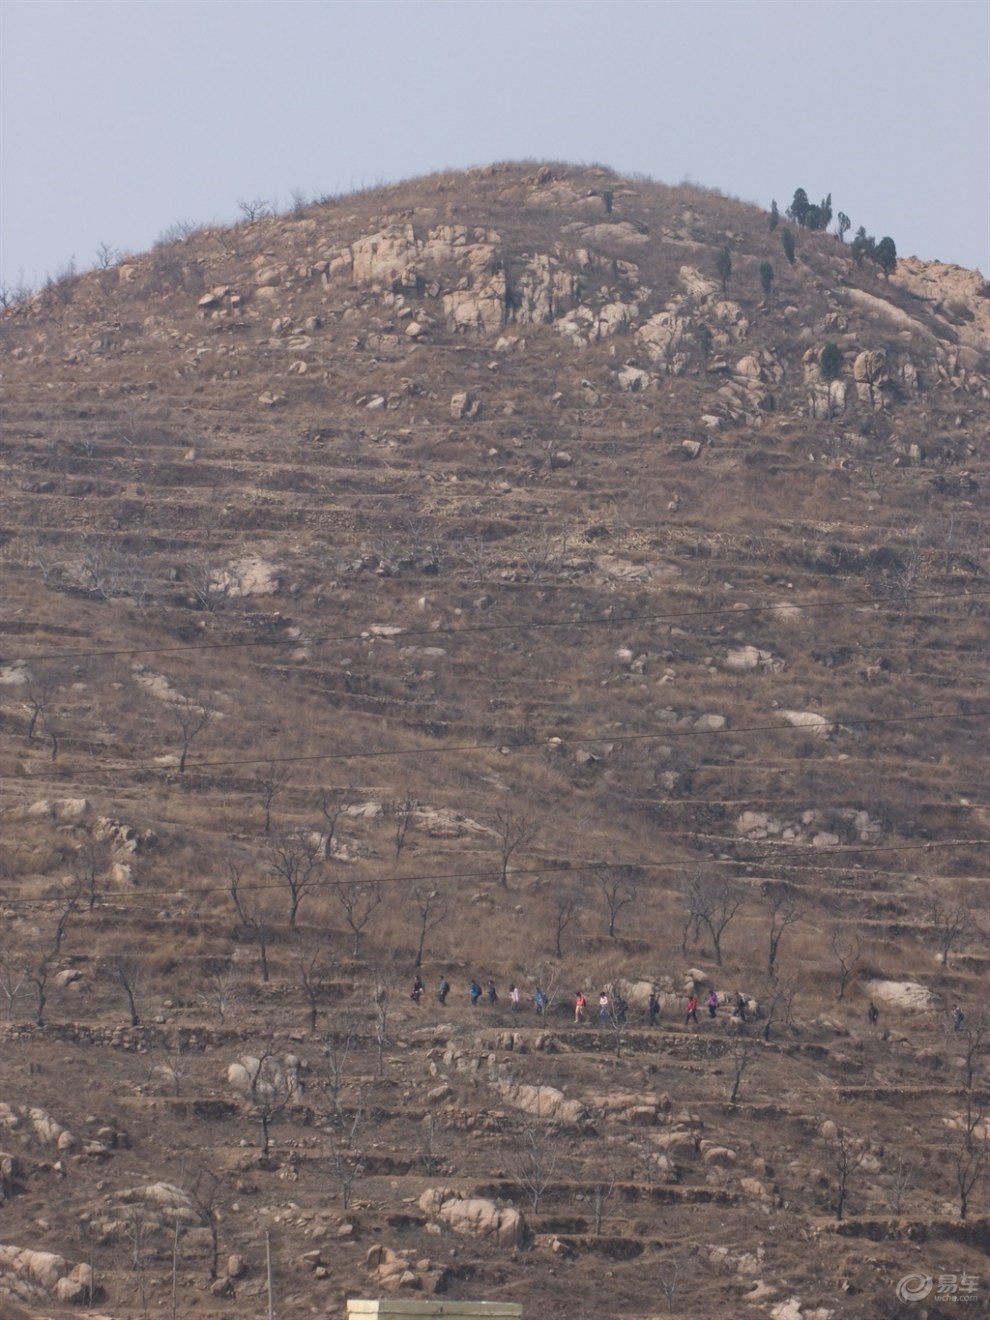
268 1080
543 1102
870 377
475 1215
815 724
38 1124
34 1276
402 1269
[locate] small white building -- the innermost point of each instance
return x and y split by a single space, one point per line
400 1309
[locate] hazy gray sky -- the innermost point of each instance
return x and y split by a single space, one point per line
120 118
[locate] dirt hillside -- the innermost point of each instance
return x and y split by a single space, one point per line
531 577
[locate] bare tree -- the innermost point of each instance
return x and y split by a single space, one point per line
106 256
785 910
359 899
106 572
271 780
616 1014
40 696
432 909
336 1051
272 1086
219 991
713 900
566 910
777 1003
295 862
92 859
209 584
191 721
903 1173
13 972
403 811
513 830
845 1154
431 1145
384 987
126 970
344 1164
972 1039
951 922
545 977
37 970
333 804
250 910
66 899
532 1160
669 1277
620 888
209 1194
969 1160
255 208
741 1056
173 1066
315 966
601 1194
846 948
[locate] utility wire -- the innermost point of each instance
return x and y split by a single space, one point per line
577 868
630 620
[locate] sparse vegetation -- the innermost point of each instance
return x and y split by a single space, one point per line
545 637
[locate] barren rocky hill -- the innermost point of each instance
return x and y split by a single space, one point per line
528 575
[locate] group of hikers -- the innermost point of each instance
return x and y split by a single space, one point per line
613 1009
475 993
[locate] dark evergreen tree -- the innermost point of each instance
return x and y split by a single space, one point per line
862 246
723 267
774 216
705 343
830 361
798 209
787 241
766 277
885 255
830 364
845 224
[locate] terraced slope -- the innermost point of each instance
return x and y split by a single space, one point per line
457 577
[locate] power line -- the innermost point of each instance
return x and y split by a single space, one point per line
466 630
539 741
578 868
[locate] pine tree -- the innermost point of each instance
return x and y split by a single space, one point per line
787 241
766 278
885 255
798 209
723 267
830 361
830 365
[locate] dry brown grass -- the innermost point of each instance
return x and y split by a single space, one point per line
451 529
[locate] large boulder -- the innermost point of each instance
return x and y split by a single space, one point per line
544 1102
475 1215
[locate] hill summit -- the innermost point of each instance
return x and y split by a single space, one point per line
531 578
